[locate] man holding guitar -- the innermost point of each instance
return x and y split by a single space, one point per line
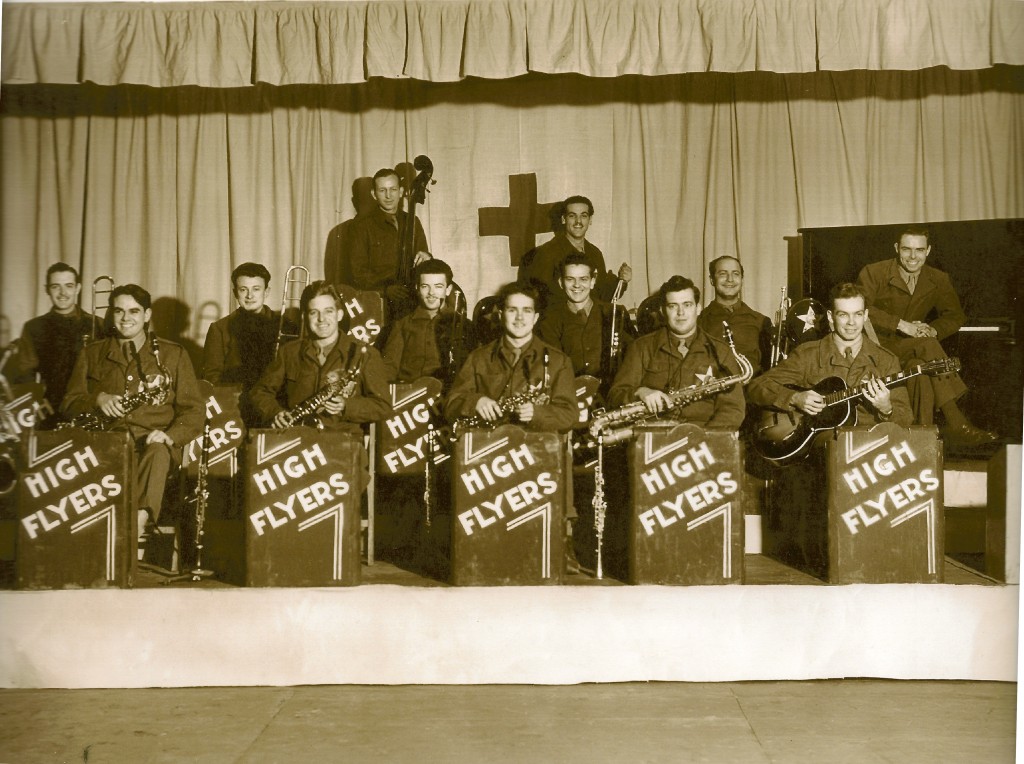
804 383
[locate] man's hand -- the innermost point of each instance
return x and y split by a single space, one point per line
420 257
159 436
625 273
808 402
525 411
110 404
335 406
916 329
878 396
282 419
654 400
488 409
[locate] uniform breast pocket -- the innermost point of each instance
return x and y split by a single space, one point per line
656 376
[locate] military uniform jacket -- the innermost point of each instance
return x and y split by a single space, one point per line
588 346
812 362
751 331
296 374
240 346
411 350
654 361
889 300
487 372
102 368
373 255
49 344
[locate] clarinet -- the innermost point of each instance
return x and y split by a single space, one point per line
201 496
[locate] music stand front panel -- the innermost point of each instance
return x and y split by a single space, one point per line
686 520
76 520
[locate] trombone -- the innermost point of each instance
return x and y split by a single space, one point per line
296 274
101 286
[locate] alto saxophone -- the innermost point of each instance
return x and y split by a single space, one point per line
533 394
97 421
619 424
340 385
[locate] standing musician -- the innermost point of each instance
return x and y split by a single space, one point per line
678 355
375 241
543 268
240 346
581 324
846 353
431 341
902 293
752 331
50 343
304 367
109 370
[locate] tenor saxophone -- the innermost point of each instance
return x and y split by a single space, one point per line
619 424
342 385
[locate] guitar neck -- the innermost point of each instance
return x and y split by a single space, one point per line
855 392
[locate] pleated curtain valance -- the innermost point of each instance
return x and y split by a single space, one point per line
227 45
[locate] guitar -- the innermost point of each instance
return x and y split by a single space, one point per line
783 437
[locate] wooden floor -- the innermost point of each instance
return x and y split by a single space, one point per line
855 721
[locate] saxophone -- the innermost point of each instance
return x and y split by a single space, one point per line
532 394
97 421
619 424
342 385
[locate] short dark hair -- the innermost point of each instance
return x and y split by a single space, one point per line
318 289
577 199
843 291
714 264
576 258
137 293
677 284
252 271
61 268
516 288
432 266
914 230
385 172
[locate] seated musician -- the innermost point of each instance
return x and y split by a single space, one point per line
109 370
510 366
581 324
305 367
752 331
240 346
678 355
542 266
50 343
846 353
902 293
421 344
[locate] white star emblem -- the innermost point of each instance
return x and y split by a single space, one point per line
809 318
706 377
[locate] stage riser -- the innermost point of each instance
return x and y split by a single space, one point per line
542 635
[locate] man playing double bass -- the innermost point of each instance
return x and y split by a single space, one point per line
375 242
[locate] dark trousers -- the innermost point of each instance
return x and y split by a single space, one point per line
926 393
151 469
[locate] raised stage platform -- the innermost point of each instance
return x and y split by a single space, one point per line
402 628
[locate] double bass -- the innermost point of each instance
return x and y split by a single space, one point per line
417 194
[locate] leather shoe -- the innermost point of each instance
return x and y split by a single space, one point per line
969 435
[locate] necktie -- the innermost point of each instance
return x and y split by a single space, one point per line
128 348
911 282
683 350
516 355
848 355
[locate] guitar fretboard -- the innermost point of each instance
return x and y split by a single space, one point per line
933 367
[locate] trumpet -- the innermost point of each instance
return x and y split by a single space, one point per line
342 385
101 285
615 341
610 427
296 274
780 340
